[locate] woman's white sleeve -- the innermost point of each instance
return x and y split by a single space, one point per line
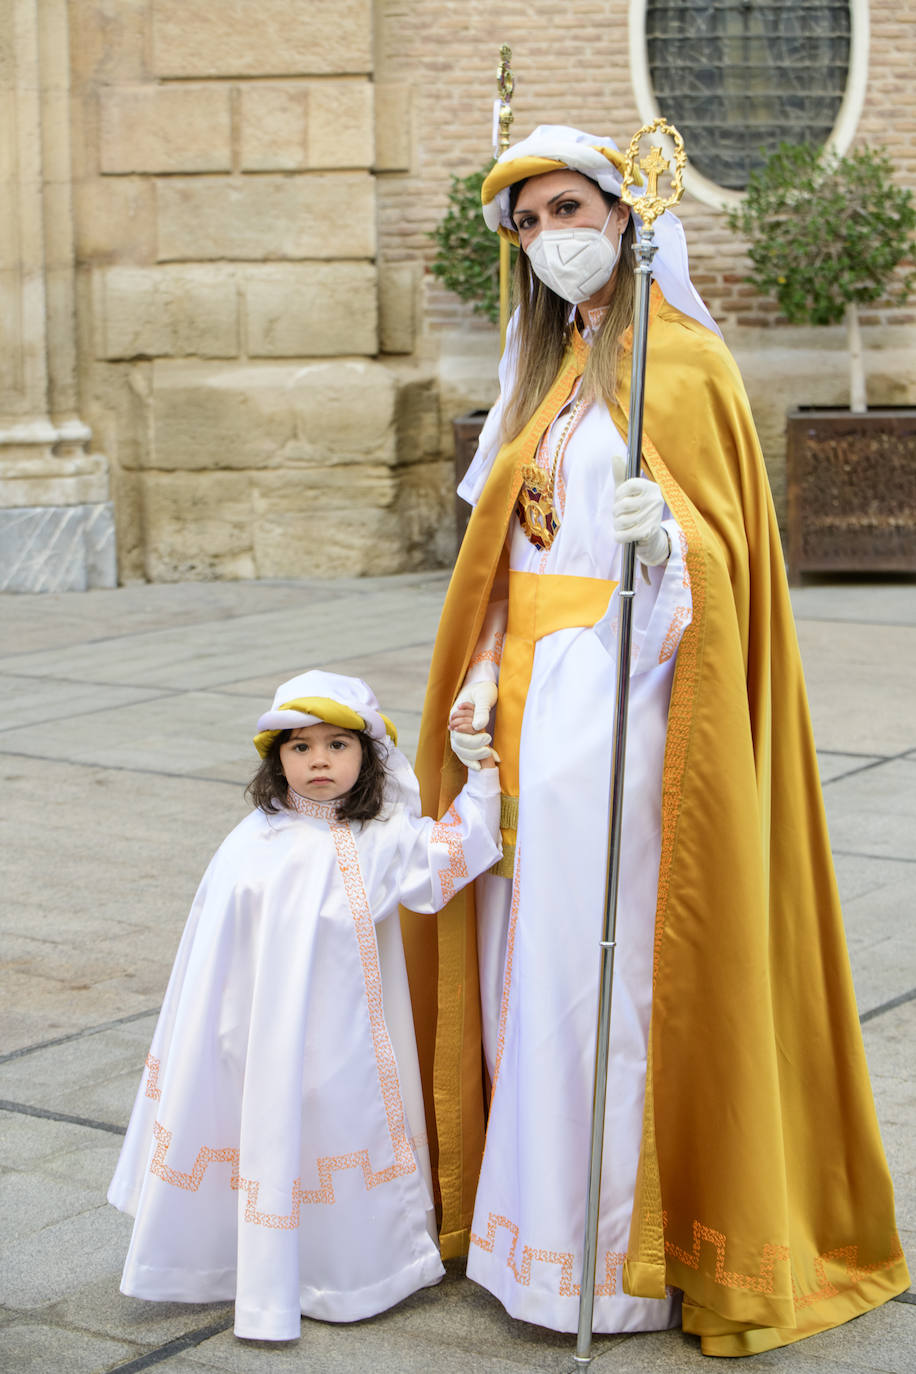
662 607
488 651
438 858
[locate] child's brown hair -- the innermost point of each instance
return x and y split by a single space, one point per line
268 788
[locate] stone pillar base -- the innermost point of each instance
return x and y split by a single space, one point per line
57 548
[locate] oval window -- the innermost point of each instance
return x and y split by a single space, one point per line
739 77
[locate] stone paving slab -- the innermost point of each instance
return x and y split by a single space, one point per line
40 1349
103 849
860 717
97 615
832 765
40 702
874 812
276 642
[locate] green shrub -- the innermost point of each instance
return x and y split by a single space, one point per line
467 256
826 233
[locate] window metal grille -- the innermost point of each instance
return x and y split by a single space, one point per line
737 77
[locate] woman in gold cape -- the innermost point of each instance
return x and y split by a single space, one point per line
761 1191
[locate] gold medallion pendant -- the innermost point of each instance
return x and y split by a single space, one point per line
535 509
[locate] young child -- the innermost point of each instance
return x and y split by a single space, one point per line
276 1153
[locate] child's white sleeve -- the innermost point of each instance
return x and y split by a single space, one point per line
438 858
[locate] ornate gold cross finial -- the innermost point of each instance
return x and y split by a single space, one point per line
505 85
650 204
653 165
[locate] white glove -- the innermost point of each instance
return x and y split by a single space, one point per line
638 509
470 749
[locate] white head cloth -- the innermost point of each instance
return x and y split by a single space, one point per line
317 688
581 152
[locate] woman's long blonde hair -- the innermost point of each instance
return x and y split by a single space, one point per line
544 330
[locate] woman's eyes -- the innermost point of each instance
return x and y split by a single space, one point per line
565 208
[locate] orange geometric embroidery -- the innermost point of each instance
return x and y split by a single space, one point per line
855 1272
567 1287
299 1196
672 638
152 1079
443 833
682 540
492 654
763 1282
754 1283
205 1156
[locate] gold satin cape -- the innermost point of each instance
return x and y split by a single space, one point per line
762 1190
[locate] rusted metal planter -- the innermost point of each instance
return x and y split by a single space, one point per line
851 482
466 429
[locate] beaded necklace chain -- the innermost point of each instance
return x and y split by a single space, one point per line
535 507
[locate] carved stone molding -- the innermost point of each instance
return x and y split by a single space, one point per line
56 516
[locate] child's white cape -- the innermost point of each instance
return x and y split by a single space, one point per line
276 1151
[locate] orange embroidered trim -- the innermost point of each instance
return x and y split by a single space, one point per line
672 638
299 1196
855 1272
443 833
686 673
152 1080
494 654
507 976
567 1288
319 811
754 1283
386 1064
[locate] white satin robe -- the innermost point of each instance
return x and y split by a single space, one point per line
276 1153
538 935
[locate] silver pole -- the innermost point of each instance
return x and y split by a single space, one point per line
644 250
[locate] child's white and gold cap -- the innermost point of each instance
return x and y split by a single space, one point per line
319 696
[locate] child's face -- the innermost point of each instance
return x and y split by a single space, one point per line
321 762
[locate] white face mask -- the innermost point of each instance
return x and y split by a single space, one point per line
573 263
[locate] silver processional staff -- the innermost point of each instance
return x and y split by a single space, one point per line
649 205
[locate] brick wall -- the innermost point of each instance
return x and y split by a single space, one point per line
572 67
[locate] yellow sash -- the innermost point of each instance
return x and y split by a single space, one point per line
539 604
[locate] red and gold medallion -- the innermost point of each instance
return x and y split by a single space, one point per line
535 509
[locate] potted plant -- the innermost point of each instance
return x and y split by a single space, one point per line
827 234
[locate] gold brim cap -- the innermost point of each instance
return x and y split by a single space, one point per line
346 702
549 147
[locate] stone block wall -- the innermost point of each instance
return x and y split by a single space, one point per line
233 324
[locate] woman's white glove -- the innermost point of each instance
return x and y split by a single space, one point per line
638 510
471 748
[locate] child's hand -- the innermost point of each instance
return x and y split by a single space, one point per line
472 748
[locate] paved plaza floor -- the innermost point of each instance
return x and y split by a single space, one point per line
125 720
